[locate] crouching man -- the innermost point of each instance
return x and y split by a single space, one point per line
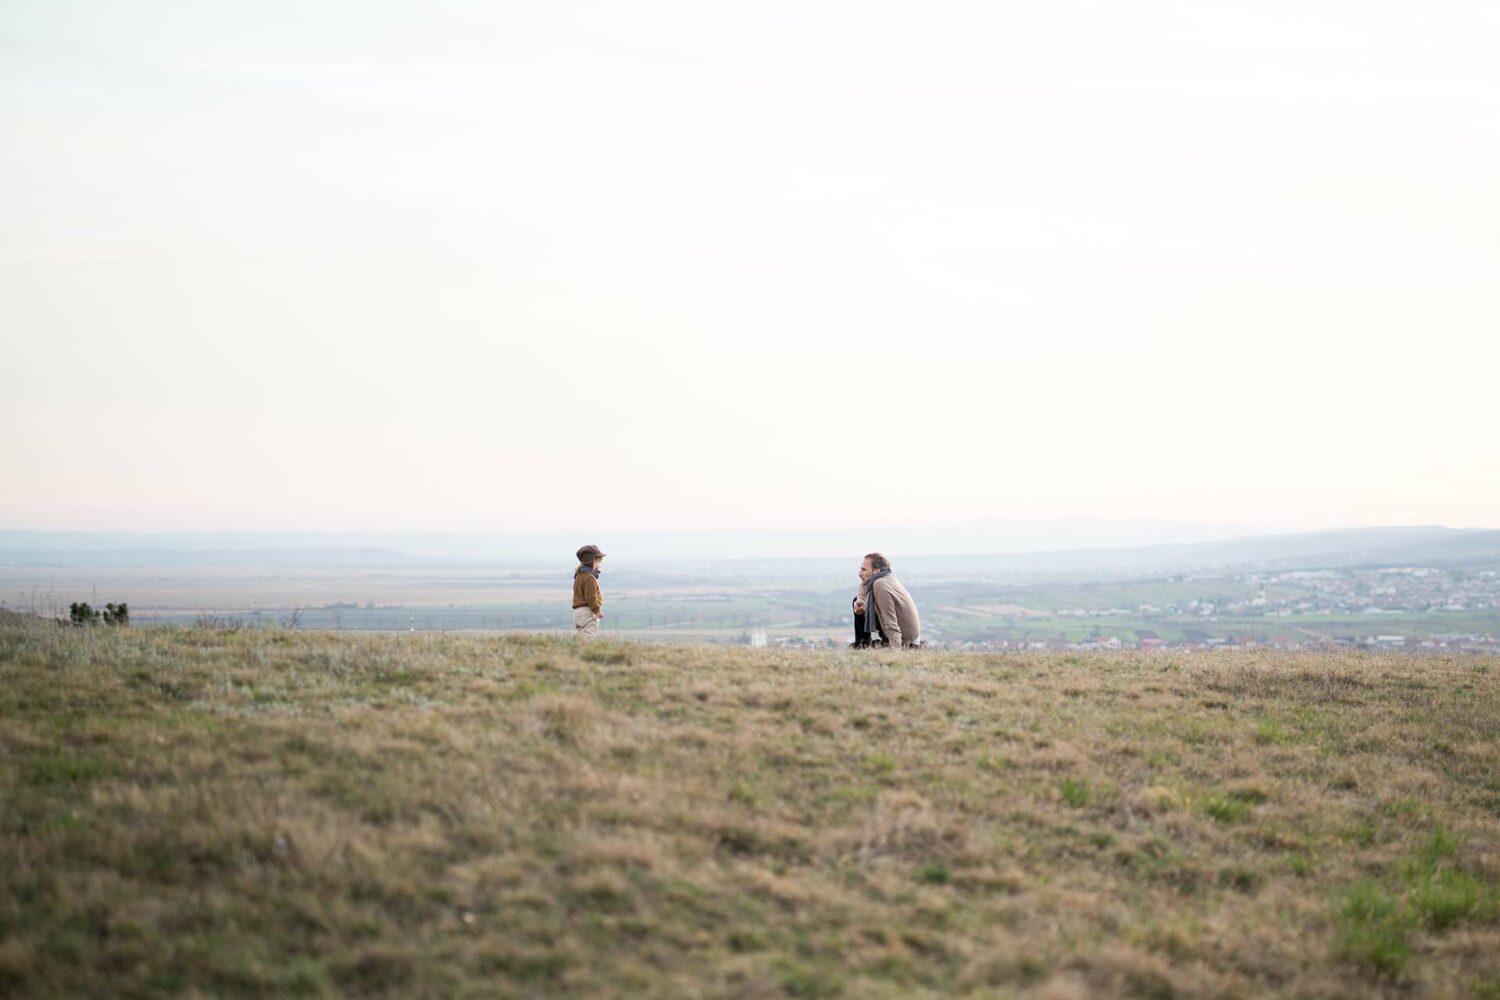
588 601
884 606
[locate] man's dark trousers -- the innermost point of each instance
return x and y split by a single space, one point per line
865 623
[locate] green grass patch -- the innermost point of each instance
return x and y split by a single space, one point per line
1269 732
1075 793
1226 809
1374 929
63 767
744 793
994 763
1429 891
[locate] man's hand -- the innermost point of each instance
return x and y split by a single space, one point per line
859 605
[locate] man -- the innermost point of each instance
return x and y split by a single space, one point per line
884 606
588 601
862 631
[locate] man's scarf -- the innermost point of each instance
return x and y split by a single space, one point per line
872 617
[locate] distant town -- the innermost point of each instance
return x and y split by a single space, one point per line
1391 608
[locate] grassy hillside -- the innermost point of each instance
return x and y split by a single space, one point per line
272 811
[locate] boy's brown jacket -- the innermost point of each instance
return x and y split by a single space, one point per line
586 593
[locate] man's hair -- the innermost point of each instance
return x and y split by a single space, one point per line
878 562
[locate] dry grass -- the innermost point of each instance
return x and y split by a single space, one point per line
274 812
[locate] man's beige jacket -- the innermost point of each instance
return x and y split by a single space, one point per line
899 622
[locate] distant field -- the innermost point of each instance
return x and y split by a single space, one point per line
266 811
806 599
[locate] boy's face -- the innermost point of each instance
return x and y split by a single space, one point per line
598 562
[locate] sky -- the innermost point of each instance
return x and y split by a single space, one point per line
659 266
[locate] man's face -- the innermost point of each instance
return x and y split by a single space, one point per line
866 571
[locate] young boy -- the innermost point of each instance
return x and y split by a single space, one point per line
588 602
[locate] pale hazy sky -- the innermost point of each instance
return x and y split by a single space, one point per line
607 266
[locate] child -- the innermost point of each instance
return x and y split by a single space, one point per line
588 602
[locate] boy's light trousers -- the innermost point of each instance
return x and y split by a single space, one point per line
585 623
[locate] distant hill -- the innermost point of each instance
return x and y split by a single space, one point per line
1355 547
932 550
1425 546
636 547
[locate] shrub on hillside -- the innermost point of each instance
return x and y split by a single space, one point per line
81 613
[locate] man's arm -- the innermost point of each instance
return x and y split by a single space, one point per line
885 607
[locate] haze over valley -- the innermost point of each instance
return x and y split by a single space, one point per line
1403 588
